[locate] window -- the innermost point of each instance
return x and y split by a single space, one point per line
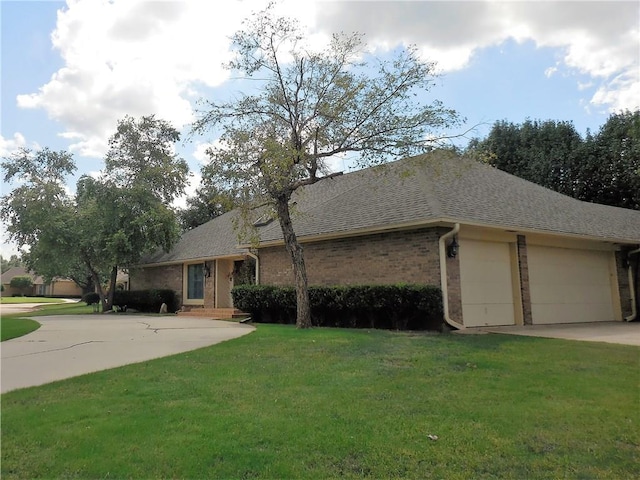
195 281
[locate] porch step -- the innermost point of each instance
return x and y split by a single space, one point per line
213 313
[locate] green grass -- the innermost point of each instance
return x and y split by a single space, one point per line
57 309
13 327
328 403
15 300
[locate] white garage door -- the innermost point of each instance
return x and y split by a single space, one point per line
486 283
569 285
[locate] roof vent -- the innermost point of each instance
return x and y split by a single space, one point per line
263 220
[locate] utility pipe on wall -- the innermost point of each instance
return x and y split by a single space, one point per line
634 308
443 276
257 272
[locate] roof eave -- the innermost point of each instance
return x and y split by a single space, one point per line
445 222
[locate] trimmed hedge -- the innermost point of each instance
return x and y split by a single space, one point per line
399 307
146 300
90 298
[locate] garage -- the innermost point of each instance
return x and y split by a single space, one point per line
570 285
487 283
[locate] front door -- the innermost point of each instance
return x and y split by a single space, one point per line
224 283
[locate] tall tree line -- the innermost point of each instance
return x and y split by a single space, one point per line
602 168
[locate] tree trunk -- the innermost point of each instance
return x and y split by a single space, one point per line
112 286
98 285
303 308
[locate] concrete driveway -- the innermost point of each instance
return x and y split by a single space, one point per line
625 333
69 345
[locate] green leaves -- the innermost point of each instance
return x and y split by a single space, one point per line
113 220
142 155
602 168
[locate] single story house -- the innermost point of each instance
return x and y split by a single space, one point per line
505 251
59 287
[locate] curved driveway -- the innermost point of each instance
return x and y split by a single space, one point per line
69 345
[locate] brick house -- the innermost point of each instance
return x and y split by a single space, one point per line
59 287
523 254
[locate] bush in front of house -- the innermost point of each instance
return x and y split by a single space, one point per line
90 298
399 307
23 283
148 301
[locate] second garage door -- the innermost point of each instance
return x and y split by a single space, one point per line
569 285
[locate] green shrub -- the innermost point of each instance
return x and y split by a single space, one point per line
399 307
146 300
22 283
90 298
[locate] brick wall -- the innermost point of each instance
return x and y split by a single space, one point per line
166 276
623 283
454 289
410 257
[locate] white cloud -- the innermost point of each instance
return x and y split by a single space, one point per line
136 58
200 152
596 38
139 57
10 145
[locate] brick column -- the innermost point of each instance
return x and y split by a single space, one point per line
623 282
525 292
454 289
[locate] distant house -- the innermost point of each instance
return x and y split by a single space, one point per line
59 287
504 251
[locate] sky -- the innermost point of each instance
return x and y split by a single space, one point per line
70 70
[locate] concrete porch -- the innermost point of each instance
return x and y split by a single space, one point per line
213 313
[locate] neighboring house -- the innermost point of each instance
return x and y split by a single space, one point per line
525 254
59 287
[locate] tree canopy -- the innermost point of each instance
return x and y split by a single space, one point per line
207 203
312 106
112 221
601 168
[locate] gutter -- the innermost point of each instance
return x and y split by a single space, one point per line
443 276
632 291
257 272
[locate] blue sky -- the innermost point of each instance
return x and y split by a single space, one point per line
70 70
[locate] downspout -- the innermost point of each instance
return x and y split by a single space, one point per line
443 276
632 291
255 257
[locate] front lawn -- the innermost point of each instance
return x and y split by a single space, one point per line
12 327
16 300
57 309
329 403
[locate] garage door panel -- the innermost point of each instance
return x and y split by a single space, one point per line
482 315
567 313
569 285
486 283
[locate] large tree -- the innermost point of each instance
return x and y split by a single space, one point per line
39 213
311 106
126 213
112 221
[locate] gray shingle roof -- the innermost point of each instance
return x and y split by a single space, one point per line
428 188
216 238
443 186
